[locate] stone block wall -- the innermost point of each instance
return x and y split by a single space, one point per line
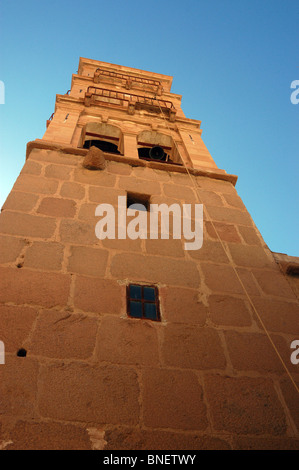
205 377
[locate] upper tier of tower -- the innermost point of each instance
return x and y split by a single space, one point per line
127 111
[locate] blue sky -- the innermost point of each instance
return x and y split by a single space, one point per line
232 60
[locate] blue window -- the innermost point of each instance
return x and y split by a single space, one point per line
143 302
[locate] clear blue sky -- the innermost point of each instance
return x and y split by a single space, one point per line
232 60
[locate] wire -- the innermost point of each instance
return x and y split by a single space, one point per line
235 270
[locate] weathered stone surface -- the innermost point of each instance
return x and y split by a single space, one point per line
54 156
96 178
23 286
16 223
61 334
123 245
192 347
57 207
20 201
221 278
264 443
211 184
226 232
105 195
28 435
179 192
249 282
278 316
250 256
155 269
44 255
78 232
72 190
18 387
128 341
229 311
139 186
99 295
31 168
87 213
253 351
234 200
36 184
209 198
10 248
163 406
210 251
249 235
151 174
58 171
179 305
245 405
88 261
132 439
15 325
97 394
229 215
274 283
119 168
180 178
173 248
291 398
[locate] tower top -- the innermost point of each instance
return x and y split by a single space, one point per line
88 66
125 112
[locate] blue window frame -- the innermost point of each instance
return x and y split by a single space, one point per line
143 302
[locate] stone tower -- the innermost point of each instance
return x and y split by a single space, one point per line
138 344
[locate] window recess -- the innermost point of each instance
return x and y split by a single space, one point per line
143 302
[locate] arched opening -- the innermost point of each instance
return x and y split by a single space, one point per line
104 136
154 146
107 147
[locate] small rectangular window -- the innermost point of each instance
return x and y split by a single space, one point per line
143 302
141 199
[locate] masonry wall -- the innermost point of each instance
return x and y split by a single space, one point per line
205 377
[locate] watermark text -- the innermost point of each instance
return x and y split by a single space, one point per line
295 354
295 94
2 353
184 221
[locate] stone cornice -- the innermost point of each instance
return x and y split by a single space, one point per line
123 69
67 100
214 174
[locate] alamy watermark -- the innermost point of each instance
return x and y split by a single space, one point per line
2 353
295 354
295 94
145 223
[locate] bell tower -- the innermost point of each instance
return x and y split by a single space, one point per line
116 106
139 343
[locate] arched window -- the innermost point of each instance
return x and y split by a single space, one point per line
156 146
104 136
